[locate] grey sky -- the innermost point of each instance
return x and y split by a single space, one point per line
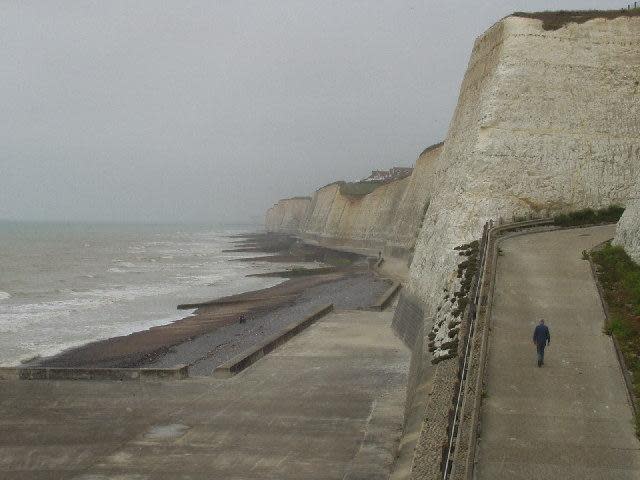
211 111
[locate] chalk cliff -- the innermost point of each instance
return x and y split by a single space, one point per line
628 230
546 121
387 218
415 201
288 215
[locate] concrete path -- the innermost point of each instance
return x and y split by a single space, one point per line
326 405
571 418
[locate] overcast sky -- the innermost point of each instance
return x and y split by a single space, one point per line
211 111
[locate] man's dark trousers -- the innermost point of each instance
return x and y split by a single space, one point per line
540 347
541 337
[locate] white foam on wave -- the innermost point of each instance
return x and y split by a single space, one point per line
54 339
91 306
117 270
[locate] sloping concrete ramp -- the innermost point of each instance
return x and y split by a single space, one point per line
571 418
326 405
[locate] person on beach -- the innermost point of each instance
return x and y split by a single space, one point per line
242 318
541 338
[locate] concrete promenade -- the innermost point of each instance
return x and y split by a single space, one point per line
326 405
571 418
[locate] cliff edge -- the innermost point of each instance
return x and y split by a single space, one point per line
363 216
288 215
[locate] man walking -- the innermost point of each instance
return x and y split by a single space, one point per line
541 338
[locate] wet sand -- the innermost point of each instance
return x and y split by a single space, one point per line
266 310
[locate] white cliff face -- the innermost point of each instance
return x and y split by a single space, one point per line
288 215
357 220
415 199
389 216
546 121
628 231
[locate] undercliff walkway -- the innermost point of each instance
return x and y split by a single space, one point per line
570 419
327 405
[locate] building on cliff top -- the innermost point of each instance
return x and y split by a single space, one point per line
395 173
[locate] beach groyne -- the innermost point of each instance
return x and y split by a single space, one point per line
547 121
179 372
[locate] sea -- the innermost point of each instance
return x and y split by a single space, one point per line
64 285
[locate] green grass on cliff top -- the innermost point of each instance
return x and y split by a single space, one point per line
556 20
357 189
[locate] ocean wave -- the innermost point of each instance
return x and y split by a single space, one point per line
53 317
106 298
126 264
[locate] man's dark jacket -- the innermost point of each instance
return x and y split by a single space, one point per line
541 335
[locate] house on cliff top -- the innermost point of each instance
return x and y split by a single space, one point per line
395 173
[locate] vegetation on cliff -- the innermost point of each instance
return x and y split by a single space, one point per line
358 189
577 218
556 20
589 216
431 147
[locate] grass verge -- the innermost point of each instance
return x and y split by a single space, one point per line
620 280
589 216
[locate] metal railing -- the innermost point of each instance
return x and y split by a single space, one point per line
483 285
459 452
471 316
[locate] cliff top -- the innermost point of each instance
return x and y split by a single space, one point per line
336 182
295 198
556 20
359 189
431 147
